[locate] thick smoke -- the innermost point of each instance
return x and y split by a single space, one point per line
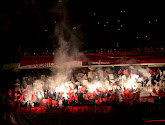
96 79
65 55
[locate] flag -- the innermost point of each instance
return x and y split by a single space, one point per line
132 72
157 71
126 91
126 95
32 98
154 91
111 91
151 72
116 97
72 97
119 72
76 97
106 91
85 96
72 80
91 96
61 94
54 102
94 93
82 89
70 94
122 96
83 70
130 95
21 97
98 101
116 83
161 93
84 77
105 74
111 97
131 102
98 91
70 89
15 90
125 72
105 99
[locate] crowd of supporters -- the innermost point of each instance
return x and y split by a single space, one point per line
16 97
51 51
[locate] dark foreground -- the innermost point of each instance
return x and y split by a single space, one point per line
118 114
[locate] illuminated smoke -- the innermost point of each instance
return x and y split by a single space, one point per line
100 79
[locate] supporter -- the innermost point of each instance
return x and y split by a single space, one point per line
100 99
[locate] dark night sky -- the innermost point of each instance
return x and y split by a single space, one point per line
30 23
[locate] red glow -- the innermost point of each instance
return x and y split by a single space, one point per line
72 109
155 121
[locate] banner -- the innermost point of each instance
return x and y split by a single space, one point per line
44 65
96 63
49 65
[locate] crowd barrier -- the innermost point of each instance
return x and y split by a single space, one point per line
69 109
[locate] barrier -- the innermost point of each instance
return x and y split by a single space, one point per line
69 109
